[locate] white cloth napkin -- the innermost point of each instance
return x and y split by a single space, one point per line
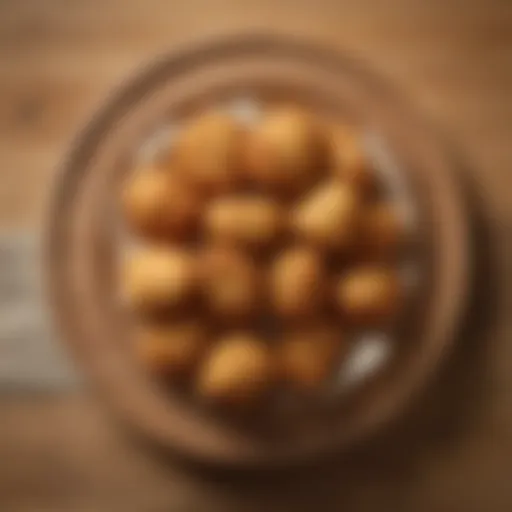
30 355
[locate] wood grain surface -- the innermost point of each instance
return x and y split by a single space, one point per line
453 59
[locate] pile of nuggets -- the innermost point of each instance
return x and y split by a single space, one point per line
264 250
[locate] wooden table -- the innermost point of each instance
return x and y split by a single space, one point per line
61 451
